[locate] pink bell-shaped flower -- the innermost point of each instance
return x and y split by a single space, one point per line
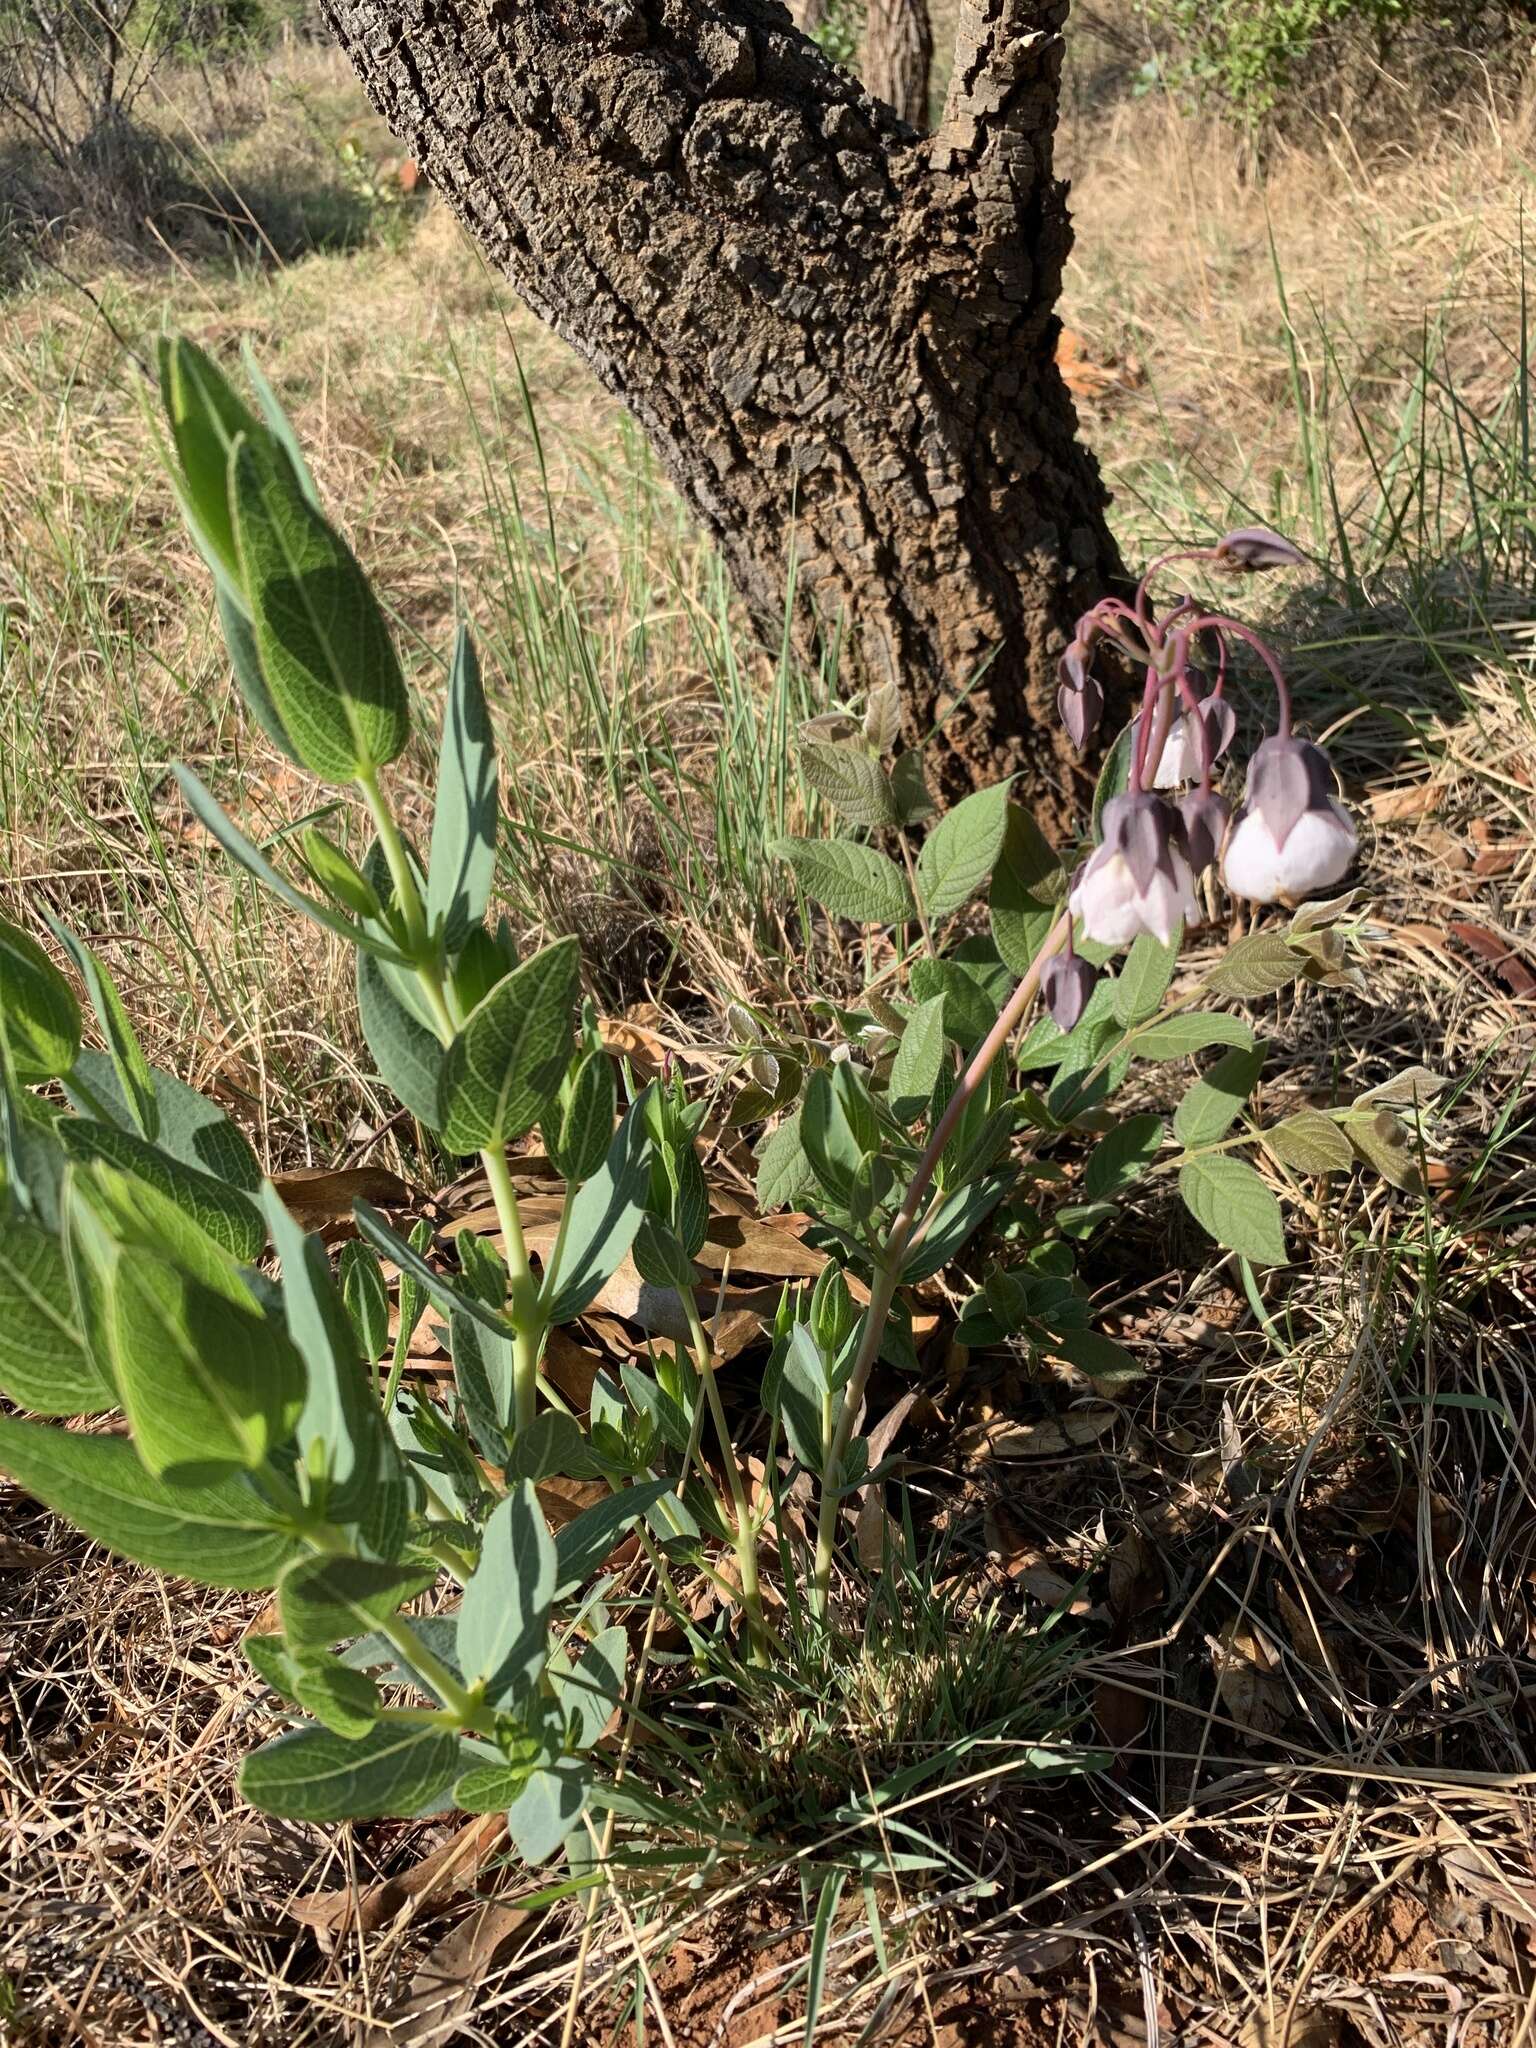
1292 835
1138 880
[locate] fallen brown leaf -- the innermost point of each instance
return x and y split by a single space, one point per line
446 1986
324 1195
1248 1679
448 1871
1049 1438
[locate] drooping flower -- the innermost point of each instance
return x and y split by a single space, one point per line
1079 698
1203 814
1066 983
1138 880
1183 758
1292 835
1250 548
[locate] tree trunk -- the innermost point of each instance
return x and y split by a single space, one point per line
838 334
898 49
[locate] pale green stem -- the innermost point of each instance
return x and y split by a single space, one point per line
903 1237
746 1531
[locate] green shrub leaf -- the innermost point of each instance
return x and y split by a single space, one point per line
503 1069
503 1636
1228 1199
850 881
134 1079
222 1535
1025 885
325 651
605 1216
189 1127
39 1017
324 1600
366 1296
583 1544
44 1363
1255 966
1122 1155
960 852
468 813
1210 1108
1142 982
785 1174
1191 1031
407 1053
915 1068
1310 1142
397 1767
223 1213
851 780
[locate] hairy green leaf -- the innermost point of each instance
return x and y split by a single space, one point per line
44 1363
915 1068
1122 1155
503 1636
605 1216
1310 1142
504 1067
850 881
960 852
1190 1031
222 1535
39 1017
468 813
1210 1108
851 780
397 1767
1228 1199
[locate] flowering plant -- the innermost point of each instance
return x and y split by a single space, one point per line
272 1435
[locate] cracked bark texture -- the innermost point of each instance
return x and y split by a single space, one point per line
896 55
838 333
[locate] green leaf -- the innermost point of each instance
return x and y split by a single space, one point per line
838 1126
366 1295
504 1066
464 826
347 1702
605 1216
1385 1142
583 1544
278 422
191 1128
324 1600
1142 982
548 1807
551 1444
909 791
969 1010
504 1620
407 1053
1310 1142
960 852
1122 1155
589 1691
579 1128
851 780
960 1216
436 1286
341 1430
206 419
492 1788
1255 966
223 1535
1025 885
44 1364
785 1174
1210 1108
240 643
128 1062
39 1017
1190 1031
210 814
1108 1364
223 1213
482 1372
398 1767
1228 1199
325 651
850 881
915 1069
204 1382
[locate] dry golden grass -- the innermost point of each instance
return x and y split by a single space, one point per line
1332 1844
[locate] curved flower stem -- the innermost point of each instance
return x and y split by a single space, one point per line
1266 655
1143 588
905 1234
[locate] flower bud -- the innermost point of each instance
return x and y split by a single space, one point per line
1066 983
1183 756
1138 880
1251 548
1079 699
1292 835
1203 816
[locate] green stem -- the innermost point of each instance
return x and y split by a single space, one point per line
523 1289
746 1531
905 1234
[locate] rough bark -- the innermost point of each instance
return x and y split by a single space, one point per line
897 53
838 333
